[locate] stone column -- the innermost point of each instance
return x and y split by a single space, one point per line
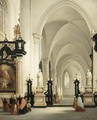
59 84
37 54
25 28
53 74
19 81
45 63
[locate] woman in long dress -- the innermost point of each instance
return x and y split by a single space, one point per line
78 104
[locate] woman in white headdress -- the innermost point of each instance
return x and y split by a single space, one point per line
79 105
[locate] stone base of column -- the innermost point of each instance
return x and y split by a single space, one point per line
40 100
88 97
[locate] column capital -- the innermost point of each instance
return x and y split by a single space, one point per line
45 60
36 38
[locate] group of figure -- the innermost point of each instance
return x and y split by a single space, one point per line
17 105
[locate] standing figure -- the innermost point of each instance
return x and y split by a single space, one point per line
89 78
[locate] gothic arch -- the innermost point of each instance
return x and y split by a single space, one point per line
57 5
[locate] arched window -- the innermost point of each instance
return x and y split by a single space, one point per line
3 11
66 80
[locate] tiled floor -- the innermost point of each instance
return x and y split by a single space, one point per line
52 113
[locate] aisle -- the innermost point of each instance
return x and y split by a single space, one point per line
52 113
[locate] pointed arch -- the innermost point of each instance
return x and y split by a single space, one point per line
57 5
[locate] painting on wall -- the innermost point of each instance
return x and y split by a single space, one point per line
7 78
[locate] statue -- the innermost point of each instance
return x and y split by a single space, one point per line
5 54
88 96
16 31
39 79
89 78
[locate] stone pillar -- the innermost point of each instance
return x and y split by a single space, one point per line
25 28
19 81
37 52
53 74
45 64
58 84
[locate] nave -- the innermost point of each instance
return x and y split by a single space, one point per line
53 113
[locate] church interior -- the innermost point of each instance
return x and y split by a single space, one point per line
48 55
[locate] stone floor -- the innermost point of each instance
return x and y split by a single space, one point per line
52 113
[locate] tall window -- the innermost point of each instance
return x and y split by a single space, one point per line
66 80
3 11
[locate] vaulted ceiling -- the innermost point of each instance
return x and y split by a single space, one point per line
67 39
